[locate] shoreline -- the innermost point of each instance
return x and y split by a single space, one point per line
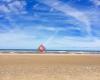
53 53
50 58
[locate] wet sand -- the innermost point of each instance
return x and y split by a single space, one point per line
49 67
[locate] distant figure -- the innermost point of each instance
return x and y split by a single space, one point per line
41 48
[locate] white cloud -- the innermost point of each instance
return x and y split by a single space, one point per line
50 28
9 7
16 6
68 10
96 2
4 9
66 43
17 39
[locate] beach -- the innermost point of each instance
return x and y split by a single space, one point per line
49 66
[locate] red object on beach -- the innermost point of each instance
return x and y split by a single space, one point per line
41 48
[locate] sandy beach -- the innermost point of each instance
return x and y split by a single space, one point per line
49 67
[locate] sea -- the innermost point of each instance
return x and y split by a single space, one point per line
34 51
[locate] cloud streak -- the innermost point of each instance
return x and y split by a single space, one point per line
68 10
52 22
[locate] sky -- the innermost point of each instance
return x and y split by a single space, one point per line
57 24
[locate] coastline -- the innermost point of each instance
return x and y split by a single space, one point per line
50 58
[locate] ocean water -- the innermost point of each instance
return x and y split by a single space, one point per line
23 51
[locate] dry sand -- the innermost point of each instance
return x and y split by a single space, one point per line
49 67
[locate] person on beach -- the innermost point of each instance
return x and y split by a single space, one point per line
41 48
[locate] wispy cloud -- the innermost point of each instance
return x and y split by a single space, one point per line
4 9
68 10
50 24
17 39
71 11
96 2
12 6
16 6
69 43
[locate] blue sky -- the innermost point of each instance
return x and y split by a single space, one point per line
58 24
